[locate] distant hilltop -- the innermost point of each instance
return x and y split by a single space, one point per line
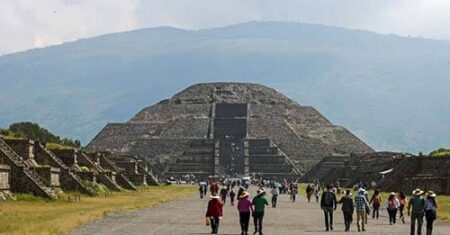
388 90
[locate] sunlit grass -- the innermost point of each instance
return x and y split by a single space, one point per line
38 216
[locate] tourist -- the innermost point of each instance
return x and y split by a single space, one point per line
293 191
376 203
275 192
240 191
361 204
223 194
366 195
392 206
309 192
317 192
214 188
260 202
328 204
430 211
232 196
416 206
201 189
348 207
245 208
402 199
214 212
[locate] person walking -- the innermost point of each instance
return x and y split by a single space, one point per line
430 211
245 207
309 192
392 206
214 188
376 203
402 199
416 209
201 190
232 196
223 194
348 207
328 203
260 202
317 193
214 212
361 204
294 192
275 192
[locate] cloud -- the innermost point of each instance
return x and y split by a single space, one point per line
28 23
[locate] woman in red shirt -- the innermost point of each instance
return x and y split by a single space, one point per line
214 212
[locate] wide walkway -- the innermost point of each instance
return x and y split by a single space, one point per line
186 216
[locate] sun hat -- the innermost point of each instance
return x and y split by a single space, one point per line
260 191
431 194
244 194
417 191
392 194
214 196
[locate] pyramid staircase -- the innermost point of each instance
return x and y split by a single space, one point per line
25 179
198 159
268 161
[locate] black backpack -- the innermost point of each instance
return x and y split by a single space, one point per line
328 199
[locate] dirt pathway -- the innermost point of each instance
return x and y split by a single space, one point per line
187 217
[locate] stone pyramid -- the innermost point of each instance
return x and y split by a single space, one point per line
228 129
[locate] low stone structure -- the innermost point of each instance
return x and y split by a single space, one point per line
426 173
4 178
120 178
87 169
353 169
134 168
24 178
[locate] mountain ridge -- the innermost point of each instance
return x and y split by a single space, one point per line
77 87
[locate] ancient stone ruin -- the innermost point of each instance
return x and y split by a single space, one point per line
427 173
27 166
216 129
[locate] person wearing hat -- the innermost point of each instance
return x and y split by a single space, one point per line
214 212
361 204
430 211
245 207
392 206
260 202
416 209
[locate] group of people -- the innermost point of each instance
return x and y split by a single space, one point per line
420 205
246 207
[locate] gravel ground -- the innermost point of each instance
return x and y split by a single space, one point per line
186 216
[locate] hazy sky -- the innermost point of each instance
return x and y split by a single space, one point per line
27 24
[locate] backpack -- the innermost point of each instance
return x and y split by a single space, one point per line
328 199
377 200
392 205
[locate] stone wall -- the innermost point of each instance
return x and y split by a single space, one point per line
4 177
427 173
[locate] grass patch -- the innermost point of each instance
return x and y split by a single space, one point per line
31 215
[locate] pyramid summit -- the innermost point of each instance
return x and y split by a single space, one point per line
228 129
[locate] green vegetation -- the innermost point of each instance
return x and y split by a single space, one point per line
441 152
32 215
28 130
